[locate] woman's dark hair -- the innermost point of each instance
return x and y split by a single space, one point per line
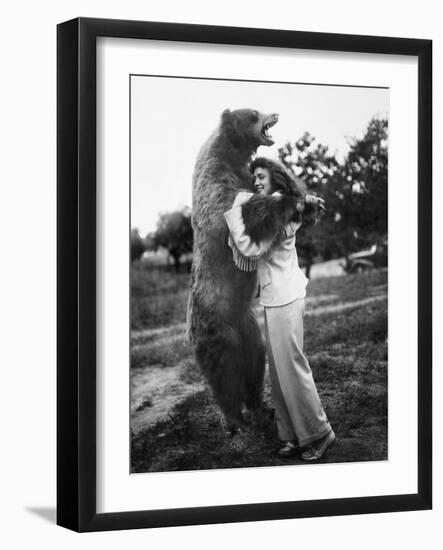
281 179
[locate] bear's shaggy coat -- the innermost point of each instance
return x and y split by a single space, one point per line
223 329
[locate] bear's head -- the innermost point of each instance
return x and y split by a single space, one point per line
247 128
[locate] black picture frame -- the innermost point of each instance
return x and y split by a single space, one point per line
76 273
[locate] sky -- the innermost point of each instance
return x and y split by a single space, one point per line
171 118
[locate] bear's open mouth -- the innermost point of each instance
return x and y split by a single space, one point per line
268 123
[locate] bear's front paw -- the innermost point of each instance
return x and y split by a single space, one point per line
314 209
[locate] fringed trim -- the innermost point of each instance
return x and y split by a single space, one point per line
242 262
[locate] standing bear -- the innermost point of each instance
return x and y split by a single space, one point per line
223 329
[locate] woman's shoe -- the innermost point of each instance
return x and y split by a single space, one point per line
289 449
320 447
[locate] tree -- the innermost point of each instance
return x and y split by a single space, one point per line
360 189
150 242
174 232
367 166
137 245
355 191
315 166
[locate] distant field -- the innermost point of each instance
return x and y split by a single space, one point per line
174 422
158 296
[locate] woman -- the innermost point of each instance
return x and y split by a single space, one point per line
301 419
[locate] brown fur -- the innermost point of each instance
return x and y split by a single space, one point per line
227 340
264 215
260 214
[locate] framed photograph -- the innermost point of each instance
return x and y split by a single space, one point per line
244 274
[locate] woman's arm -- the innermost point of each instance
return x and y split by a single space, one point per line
243 242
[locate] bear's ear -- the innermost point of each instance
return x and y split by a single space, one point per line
226 115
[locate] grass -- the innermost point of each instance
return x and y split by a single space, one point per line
158 296
347 350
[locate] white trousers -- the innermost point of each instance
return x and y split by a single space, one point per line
298 409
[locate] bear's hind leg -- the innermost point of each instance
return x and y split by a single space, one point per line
219 357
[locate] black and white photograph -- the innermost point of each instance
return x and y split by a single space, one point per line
258 273
221 300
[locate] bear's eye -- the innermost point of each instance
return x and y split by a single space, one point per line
254 116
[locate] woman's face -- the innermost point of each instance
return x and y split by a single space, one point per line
262 180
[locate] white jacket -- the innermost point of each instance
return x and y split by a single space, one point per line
280 277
